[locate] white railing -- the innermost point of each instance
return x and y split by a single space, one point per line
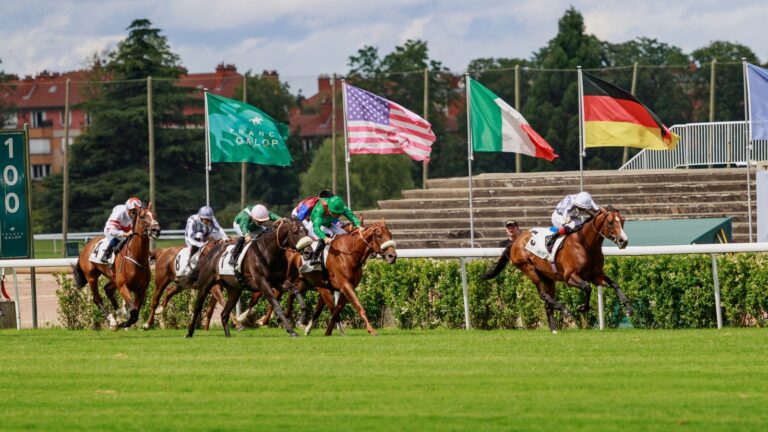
465 254
720 144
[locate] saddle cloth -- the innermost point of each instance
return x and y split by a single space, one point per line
98 252
305 266
223 266
537 245
182 262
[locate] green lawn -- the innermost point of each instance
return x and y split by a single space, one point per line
422 380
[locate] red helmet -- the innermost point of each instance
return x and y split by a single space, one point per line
133 203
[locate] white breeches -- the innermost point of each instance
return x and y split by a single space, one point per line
237 229
333 230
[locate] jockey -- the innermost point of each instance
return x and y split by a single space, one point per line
249 224
306 206
120 224
202 227
322 222
569 214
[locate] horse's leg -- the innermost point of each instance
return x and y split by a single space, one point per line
584 308
161 282
336 316
546 288
550 310
349 292
233 295
139 297
212 302
606 281
255 296
327 300
294 292
202 293
94 285
109 291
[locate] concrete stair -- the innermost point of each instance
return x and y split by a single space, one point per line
439 215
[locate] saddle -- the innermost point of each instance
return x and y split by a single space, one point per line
223 266
307 245
537 244
101 247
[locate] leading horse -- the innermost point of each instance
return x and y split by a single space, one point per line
130 274
578 263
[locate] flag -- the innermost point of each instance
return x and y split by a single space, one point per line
757 89
239 132
615 118
497 127
378 126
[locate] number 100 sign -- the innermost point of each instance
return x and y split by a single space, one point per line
15 235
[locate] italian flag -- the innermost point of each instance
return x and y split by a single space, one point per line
497 127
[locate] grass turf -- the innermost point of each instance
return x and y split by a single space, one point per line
402 380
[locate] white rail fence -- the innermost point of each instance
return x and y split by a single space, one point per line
719 144
466 254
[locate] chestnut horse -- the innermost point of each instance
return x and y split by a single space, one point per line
131 272
165 274
264 267
578 263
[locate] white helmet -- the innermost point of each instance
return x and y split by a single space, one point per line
205 212
583 200
259 213
132 203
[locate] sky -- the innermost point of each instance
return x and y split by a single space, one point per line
302 39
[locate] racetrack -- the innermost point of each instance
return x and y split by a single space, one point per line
402 380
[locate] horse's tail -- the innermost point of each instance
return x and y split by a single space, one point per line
78 275
500 264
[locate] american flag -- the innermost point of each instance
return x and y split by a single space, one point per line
379 126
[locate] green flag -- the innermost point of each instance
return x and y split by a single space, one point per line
239 132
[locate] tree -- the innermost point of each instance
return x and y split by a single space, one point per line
729 79
109 162
399 77
372 177
552 108
5 90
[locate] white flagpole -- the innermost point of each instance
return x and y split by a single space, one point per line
346 140
470 157
582 153
207 153
747 110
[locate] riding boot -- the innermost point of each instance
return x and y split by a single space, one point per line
107 254
317 256
236 251
550 241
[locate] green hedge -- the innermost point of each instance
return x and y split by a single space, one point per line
666 292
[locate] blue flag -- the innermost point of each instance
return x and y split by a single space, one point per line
757 88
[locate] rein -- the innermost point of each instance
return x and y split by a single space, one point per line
602 228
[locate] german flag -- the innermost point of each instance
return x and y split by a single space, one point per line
614 118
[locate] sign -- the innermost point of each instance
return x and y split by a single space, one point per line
15 226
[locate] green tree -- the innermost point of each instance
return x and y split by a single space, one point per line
399 77
109 163
5 90
552 108
372 177
729 79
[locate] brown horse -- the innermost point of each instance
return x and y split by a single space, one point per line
264 267
344 269
578 263
165 274
131 272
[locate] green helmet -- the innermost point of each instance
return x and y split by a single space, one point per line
336 204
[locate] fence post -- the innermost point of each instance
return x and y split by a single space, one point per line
465 290
17 300
716 279
600 307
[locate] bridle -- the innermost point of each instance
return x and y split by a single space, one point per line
593 221
147 230
278 224
381 246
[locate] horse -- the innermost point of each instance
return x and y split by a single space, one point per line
165 274
578 263
131 272
264 266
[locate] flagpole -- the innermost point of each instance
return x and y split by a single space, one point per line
582 153
470 157
207 152
346 140
747 109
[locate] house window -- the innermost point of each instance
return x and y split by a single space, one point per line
61 118
40 146
11 121
40 171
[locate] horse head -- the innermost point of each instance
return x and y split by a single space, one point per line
379 239
289 233
613 226
146 223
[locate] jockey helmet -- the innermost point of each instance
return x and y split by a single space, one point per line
583 200
259 213
205 212
336 204
133 203
325 193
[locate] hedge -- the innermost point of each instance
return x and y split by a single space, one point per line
673 291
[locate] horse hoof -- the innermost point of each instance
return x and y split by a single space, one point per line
146 326
187 336
554 331
240 328
294 335
113 327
